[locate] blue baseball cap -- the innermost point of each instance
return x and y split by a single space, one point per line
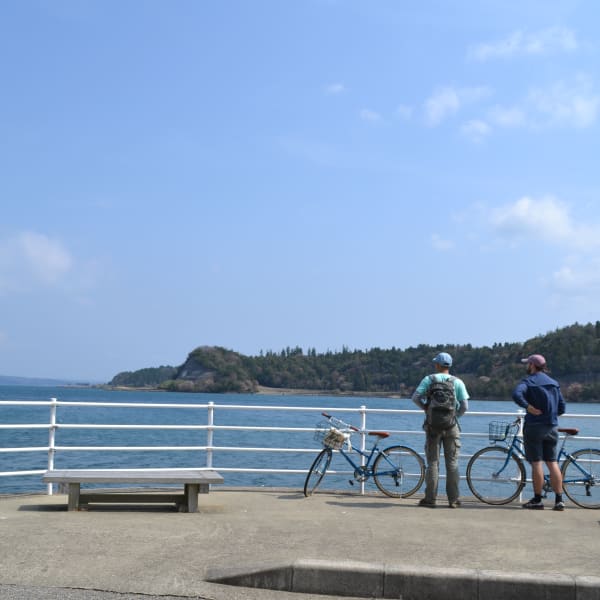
444 359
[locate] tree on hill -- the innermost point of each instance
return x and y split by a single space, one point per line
572 352
149 377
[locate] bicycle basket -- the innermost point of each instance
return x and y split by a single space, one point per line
330 437
499 431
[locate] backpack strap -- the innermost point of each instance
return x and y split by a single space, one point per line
432 379
452 379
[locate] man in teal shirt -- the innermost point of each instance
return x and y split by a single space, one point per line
449 437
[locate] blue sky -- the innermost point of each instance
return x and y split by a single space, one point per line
317 173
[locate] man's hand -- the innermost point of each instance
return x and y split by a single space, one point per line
532 410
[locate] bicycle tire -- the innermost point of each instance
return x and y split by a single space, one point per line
317 471
398 471
490 486
580 490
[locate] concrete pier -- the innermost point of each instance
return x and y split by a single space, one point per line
275 543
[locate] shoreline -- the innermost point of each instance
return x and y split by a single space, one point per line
261 391
268 391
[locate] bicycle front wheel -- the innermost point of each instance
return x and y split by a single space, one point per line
398 471
495 476
317 471
581 478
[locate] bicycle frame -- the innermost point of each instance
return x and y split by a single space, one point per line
365 470
497 474
517 447
398 471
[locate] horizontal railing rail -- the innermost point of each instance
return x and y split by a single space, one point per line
210 449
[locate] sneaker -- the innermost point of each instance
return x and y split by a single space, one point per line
423 502
559 506
534 504
455 504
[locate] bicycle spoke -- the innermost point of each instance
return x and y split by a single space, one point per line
398 471
581 478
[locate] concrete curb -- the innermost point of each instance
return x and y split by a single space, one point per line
369 580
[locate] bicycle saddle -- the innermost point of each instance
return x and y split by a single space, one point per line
380 434
569 430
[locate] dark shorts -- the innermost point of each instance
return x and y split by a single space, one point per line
541 442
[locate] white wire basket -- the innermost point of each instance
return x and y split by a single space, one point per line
499 431
330 437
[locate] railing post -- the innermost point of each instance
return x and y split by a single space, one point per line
363 441
519 434
51 440
210 434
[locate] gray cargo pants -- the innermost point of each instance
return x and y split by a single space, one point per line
450 439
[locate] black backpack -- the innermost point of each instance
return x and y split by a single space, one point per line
441 404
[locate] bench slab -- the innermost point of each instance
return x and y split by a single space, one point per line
195 481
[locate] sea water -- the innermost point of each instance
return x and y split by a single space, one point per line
306 417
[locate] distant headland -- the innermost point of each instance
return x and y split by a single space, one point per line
490 372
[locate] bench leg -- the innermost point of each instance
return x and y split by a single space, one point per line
74 489
191 496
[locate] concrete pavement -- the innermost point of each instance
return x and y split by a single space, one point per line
337 543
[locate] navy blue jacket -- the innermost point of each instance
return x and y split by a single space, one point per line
543 392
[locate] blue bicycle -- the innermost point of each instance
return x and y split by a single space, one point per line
398 471
496 474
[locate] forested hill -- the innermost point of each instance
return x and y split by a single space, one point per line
573 355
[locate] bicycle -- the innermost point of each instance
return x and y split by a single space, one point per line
496 474
398 471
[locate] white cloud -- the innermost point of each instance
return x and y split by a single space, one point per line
441 104
545 219
577 279
46 257
369 115
447 101
548 224
507 117
404 111
519 43
31 258
576 284
476 130
576 104
440 243
333 89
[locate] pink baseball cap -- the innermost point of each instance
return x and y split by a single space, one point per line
537 360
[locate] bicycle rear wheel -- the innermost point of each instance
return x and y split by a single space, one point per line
398 471
494 476
317 471
581 478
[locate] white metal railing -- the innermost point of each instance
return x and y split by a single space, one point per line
210 450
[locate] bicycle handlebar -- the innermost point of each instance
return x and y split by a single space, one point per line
333 419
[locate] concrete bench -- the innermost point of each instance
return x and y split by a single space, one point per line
194 481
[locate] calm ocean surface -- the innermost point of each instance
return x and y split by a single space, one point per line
22 461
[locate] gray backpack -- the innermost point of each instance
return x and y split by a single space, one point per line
441 404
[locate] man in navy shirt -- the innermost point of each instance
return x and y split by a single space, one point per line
541 397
